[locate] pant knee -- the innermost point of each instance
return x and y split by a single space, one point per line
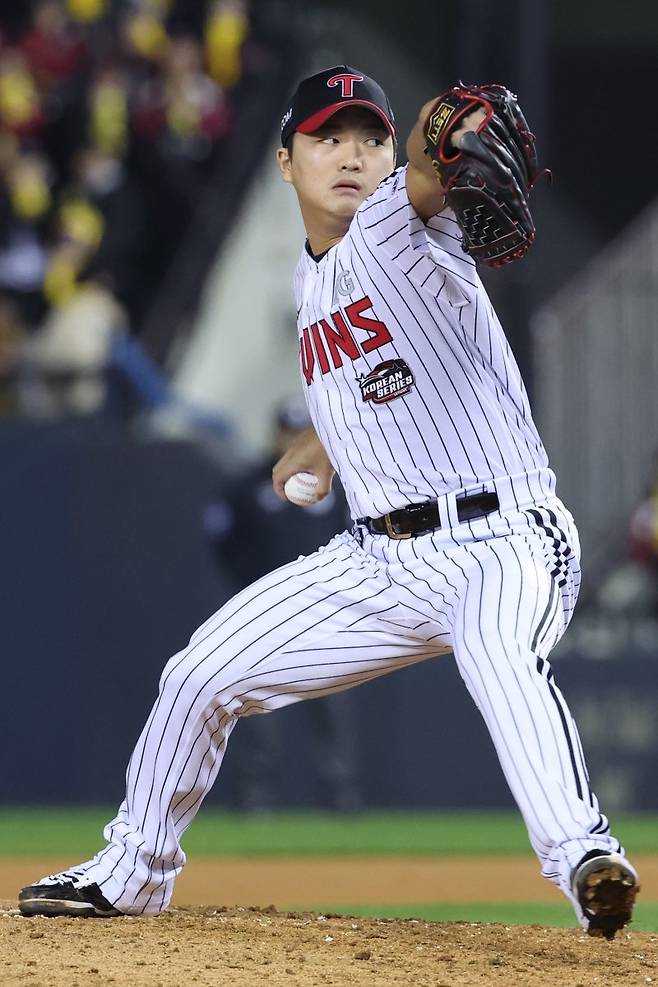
196 681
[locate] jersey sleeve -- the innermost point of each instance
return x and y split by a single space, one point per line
429 253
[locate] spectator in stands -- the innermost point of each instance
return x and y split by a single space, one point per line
21 110
184 110
630 588
251 532
108 126
25 203
643 527
65 362
178 118
79 232
55 46
28 183
226 30
87 11
103 182
109 123
144 36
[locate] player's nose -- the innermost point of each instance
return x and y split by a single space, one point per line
353 160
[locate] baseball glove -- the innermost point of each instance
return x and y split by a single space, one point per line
488 177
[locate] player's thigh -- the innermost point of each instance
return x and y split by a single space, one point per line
507 612
307 629
555 528
509 599
520 587
322 667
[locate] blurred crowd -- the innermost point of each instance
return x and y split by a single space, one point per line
619 619
112 118
630 588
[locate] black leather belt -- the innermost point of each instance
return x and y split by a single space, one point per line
418 519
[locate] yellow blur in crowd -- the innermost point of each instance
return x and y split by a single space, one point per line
28 188
80 227
19 97
72 220
108 108
86 11
227 28
146 35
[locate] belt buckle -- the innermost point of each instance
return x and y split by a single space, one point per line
389 529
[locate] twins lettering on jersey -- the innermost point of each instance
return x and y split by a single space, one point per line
323 346
321 342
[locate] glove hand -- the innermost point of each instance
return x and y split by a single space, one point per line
469 123
485 157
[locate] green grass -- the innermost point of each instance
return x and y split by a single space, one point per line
77 832
556 914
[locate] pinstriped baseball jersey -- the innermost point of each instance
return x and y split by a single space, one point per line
411 383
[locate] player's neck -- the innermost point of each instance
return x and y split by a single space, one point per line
318 246
325 232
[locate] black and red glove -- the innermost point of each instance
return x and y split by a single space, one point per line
488 176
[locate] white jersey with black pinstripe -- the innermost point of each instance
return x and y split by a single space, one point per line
411 383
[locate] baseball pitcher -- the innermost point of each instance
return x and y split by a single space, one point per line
458 544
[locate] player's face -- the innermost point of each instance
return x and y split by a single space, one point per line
334 169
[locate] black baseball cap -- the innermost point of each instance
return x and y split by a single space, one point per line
318 97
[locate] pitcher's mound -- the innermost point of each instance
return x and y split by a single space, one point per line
245 947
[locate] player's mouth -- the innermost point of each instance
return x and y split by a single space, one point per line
346 185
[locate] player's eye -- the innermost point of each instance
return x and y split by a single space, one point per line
375 142
329 140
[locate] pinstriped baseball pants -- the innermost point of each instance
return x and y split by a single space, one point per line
498 592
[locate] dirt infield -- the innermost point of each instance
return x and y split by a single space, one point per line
248 947
244 945
309 882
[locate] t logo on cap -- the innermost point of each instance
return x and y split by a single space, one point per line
346 83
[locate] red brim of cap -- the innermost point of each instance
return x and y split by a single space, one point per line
313 123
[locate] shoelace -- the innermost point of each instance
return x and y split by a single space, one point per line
72 876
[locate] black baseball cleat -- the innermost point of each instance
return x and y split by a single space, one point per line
606 886
65 894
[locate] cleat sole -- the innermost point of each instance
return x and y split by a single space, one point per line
607 892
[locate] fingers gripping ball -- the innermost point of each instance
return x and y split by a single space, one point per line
302 489
488 177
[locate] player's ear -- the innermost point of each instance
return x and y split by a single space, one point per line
284 161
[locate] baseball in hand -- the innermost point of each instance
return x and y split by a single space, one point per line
302 489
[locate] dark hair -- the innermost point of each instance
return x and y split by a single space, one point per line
288 144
